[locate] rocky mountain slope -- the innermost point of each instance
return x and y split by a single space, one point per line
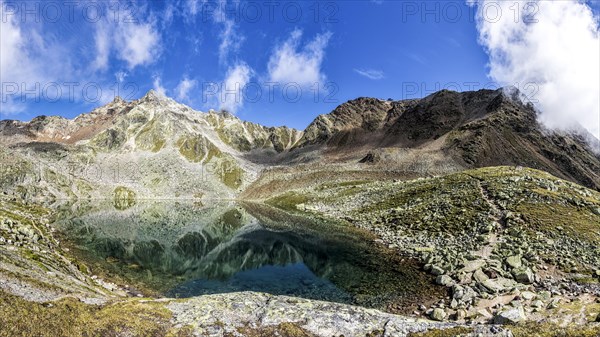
153 146
509 244
158 148
471 129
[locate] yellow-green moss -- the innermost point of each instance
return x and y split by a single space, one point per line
450 332
533 329
70 317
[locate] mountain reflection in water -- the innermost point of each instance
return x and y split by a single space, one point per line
184 250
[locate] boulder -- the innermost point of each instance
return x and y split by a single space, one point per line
514 261
498 285
444 280
438 314
480 276
528 295
510 316
523 275
436 270
471 266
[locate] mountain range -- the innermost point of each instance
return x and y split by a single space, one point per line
154 147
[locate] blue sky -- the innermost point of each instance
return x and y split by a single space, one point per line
190 50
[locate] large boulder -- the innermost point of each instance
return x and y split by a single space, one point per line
510 316
523 275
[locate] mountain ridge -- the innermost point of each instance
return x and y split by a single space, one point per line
221 156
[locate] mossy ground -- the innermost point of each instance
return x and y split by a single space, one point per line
70 317
451 332
282 330
533 329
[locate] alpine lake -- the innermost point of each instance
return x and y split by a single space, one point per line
183 249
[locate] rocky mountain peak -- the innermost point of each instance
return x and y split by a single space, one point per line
154 97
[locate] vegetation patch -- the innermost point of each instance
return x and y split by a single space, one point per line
70 317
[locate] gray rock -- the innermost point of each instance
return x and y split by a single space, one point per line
537 304
514 261
510 316
480 276
544 295
523 275
436 270
438 314
498 285
528 295
472 266
444 280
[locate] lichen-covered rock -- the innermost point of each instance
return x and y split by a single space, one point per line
225 313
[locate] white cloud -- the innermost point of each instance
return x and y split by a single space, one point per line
157 86
292 63
231 39
120 76
27 61
232 88
183 89
135 42
552 55
102 41
370 73
192 7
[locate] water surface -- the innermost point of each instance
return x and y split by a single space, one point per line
181 249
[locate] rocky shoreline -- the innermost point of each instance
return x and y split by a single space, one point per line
497 269
502 270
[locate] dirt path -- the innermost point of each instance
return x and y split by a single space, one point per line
496 215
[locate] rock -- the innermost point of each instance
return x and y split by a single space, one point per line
461 314
537 304
554 303
598 318
465 278
472 266
444 280
458 291
480 276
510 316
468 295
523 275
436 270
544 295
498 285
438 314
514 261
528 295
